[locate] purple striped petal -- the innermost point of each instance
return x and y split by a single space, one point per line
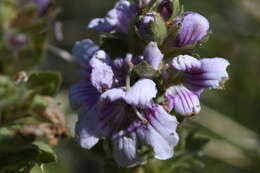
112 114
125 151
164 123
205 73
84 50
213 74
182 100
186 63
158 133
194 27
83 94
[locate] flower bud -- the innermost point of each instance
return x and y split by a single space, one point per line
152 28
165 9
193 29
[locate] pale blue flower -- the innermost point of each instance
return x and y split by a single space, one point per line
198 75
194 27
117 19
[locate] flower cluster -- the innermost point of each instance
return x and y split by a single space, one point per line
133 99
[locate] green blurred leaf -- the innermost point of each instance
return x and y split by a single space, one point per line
18 154
195 143
45 83
47 154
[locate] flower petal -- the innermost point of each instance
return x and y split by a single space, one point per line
125 151
194 27
153 55
148 135
102 74
86 128
84 50
116 19
111 111
164 124
182 100
103 24
113 94
213 73
141 93
83 94
200 74
186 63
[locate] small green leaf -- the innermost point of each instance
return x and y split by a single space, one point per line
143 69
45 83
47 155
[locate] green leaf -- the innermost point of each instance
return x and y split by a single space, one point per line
143 69
195 143
19 161
116 46
47 154
18 154
45 83
6 87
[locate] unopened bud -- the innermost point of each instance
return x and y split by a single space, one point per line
152 28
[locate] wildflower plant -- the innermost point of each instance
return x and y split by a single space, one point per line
142 78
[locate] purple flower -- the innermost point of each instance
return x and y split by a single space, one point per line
194 27
198 75
97 66
153 55
165 9
130 119
126 116
117 19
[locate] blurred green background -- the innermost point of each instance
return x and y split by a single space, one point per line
233 126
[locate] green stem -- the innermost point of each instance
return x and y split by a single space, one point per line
128 76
